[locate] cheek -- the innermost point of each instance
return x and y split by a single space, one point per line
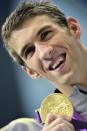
74 52
35 64
72 46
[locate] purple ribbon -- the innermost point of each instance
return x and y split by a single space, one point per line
77 120
38 118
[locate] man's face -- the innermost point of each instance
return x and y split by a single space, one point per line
48 49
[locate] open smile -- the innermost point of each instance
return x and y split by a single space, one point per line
59 63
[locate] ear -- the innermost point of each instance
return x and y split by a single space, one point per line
30 72
74 26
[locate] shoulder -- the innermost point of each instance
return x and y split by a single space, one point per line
23 124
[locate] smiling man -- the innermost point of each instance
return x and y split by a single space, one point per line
45 43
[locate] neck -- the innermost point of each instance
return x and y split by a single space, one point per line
65 89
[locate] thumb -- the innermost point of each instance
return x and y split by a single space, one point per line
50 118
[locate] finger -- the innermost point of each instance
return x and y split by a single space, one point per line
50 118
60 120
66 118
62 127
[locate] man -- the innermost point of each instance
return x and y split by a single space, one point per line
45 43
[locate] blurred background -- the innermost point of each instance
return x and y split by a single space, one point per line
19 94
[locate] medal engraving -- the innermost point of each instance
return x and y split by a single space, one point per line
56 103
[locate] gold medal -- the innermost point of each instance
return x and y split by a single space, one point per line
56 103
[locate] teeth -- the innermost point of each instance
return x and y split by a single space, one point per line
57 62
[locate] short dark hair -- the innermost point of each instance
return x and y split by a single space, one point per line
27 10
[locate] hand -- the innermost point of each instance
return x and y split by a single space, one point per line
57 123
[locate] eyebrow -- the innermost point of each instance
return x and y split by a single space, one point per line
42 29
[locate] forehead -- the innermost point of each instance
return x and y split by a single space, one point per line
39 18
28 31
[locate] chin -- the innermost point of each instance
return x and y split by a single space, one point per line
67 79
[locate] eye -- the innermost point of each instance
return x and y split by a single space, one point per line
45 35
29 51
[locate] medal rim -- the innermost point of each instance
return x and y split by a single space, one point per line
55 95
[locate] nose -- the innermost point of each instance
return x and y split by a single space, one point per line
44 51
